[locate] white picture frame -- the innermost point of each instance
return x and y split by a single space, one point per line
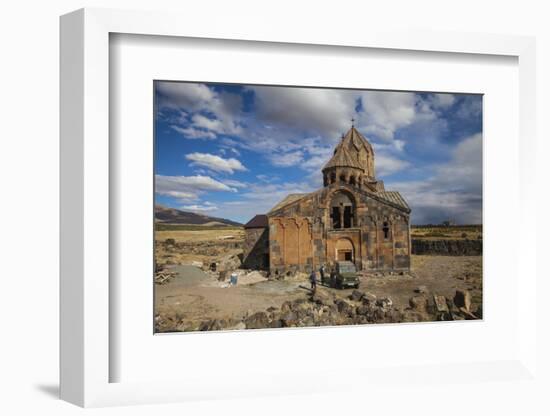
86 356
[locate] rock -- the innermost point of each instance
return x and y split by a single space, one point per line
222 276
440 303
363 310
322 297
289 319
212 325
467 314
356 295
257 320
421 289
419 303
479 311
238 326
463 299
368 298
385 303
345 306
228 263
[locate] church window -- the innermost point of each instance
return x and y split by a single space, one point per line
342 178
386 230
342 211
336 217
332 177
352 180
348 217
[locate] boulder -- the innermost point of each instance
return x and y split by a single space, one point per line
257 320
440 304
419 303
289 319
385 303
463 299
356 295
322 297
369 298
228 263
345 306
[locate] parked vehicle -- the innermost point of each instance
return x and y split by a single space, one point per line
344 274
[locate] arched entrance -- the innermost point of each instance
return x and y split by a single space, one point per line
345 250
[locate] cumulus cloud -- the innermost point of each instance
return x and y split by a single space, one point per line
188 188
454 191
442 100
210 113
206 207
215 163
193 133
286 159
387 165
261 197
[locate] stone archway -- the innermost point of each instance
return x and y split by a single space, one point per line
344 250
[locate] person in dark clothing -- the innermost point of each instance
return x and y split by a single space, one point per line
322 273
313 280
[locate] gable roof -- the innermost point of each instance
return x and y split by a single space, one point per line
259 221
289 199
394 198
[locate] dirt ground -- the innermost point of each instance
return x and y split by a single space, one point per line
193 295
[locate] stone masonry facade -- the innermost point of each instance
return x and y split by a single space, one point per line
352 218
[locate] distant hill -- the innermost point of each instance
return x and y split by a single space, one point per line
175 216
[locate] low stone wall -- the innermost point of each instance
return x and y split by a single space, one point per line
447 247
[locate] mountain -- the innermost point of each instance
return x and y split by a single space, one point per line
175 216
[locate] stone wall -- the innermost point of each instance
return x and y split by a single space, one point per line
256 248
301 234
447 247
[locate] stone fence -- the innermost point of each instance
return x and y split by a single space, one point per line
447 247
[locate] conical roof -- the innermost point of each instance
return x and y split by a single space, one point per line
346 152
342 158
356 139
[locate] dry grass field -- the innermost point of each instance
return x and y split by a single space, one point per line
472 232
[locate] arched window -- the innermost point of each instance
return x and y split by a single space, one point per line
325 180
352 180
342 178
332 177
386 230
342 211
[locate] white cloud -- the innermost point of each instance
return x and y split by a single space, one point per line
234 183
193 133
200 208
384 112
454 191
286 159
442 100
215 163
211 113
386 165
189 184
324 111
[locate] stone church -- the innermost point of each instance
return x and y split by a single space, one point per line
352 218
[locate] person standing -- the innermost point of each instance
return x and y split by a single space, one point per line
313 280
322 273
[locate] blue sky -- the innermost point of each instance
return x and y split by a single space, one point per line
234 151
